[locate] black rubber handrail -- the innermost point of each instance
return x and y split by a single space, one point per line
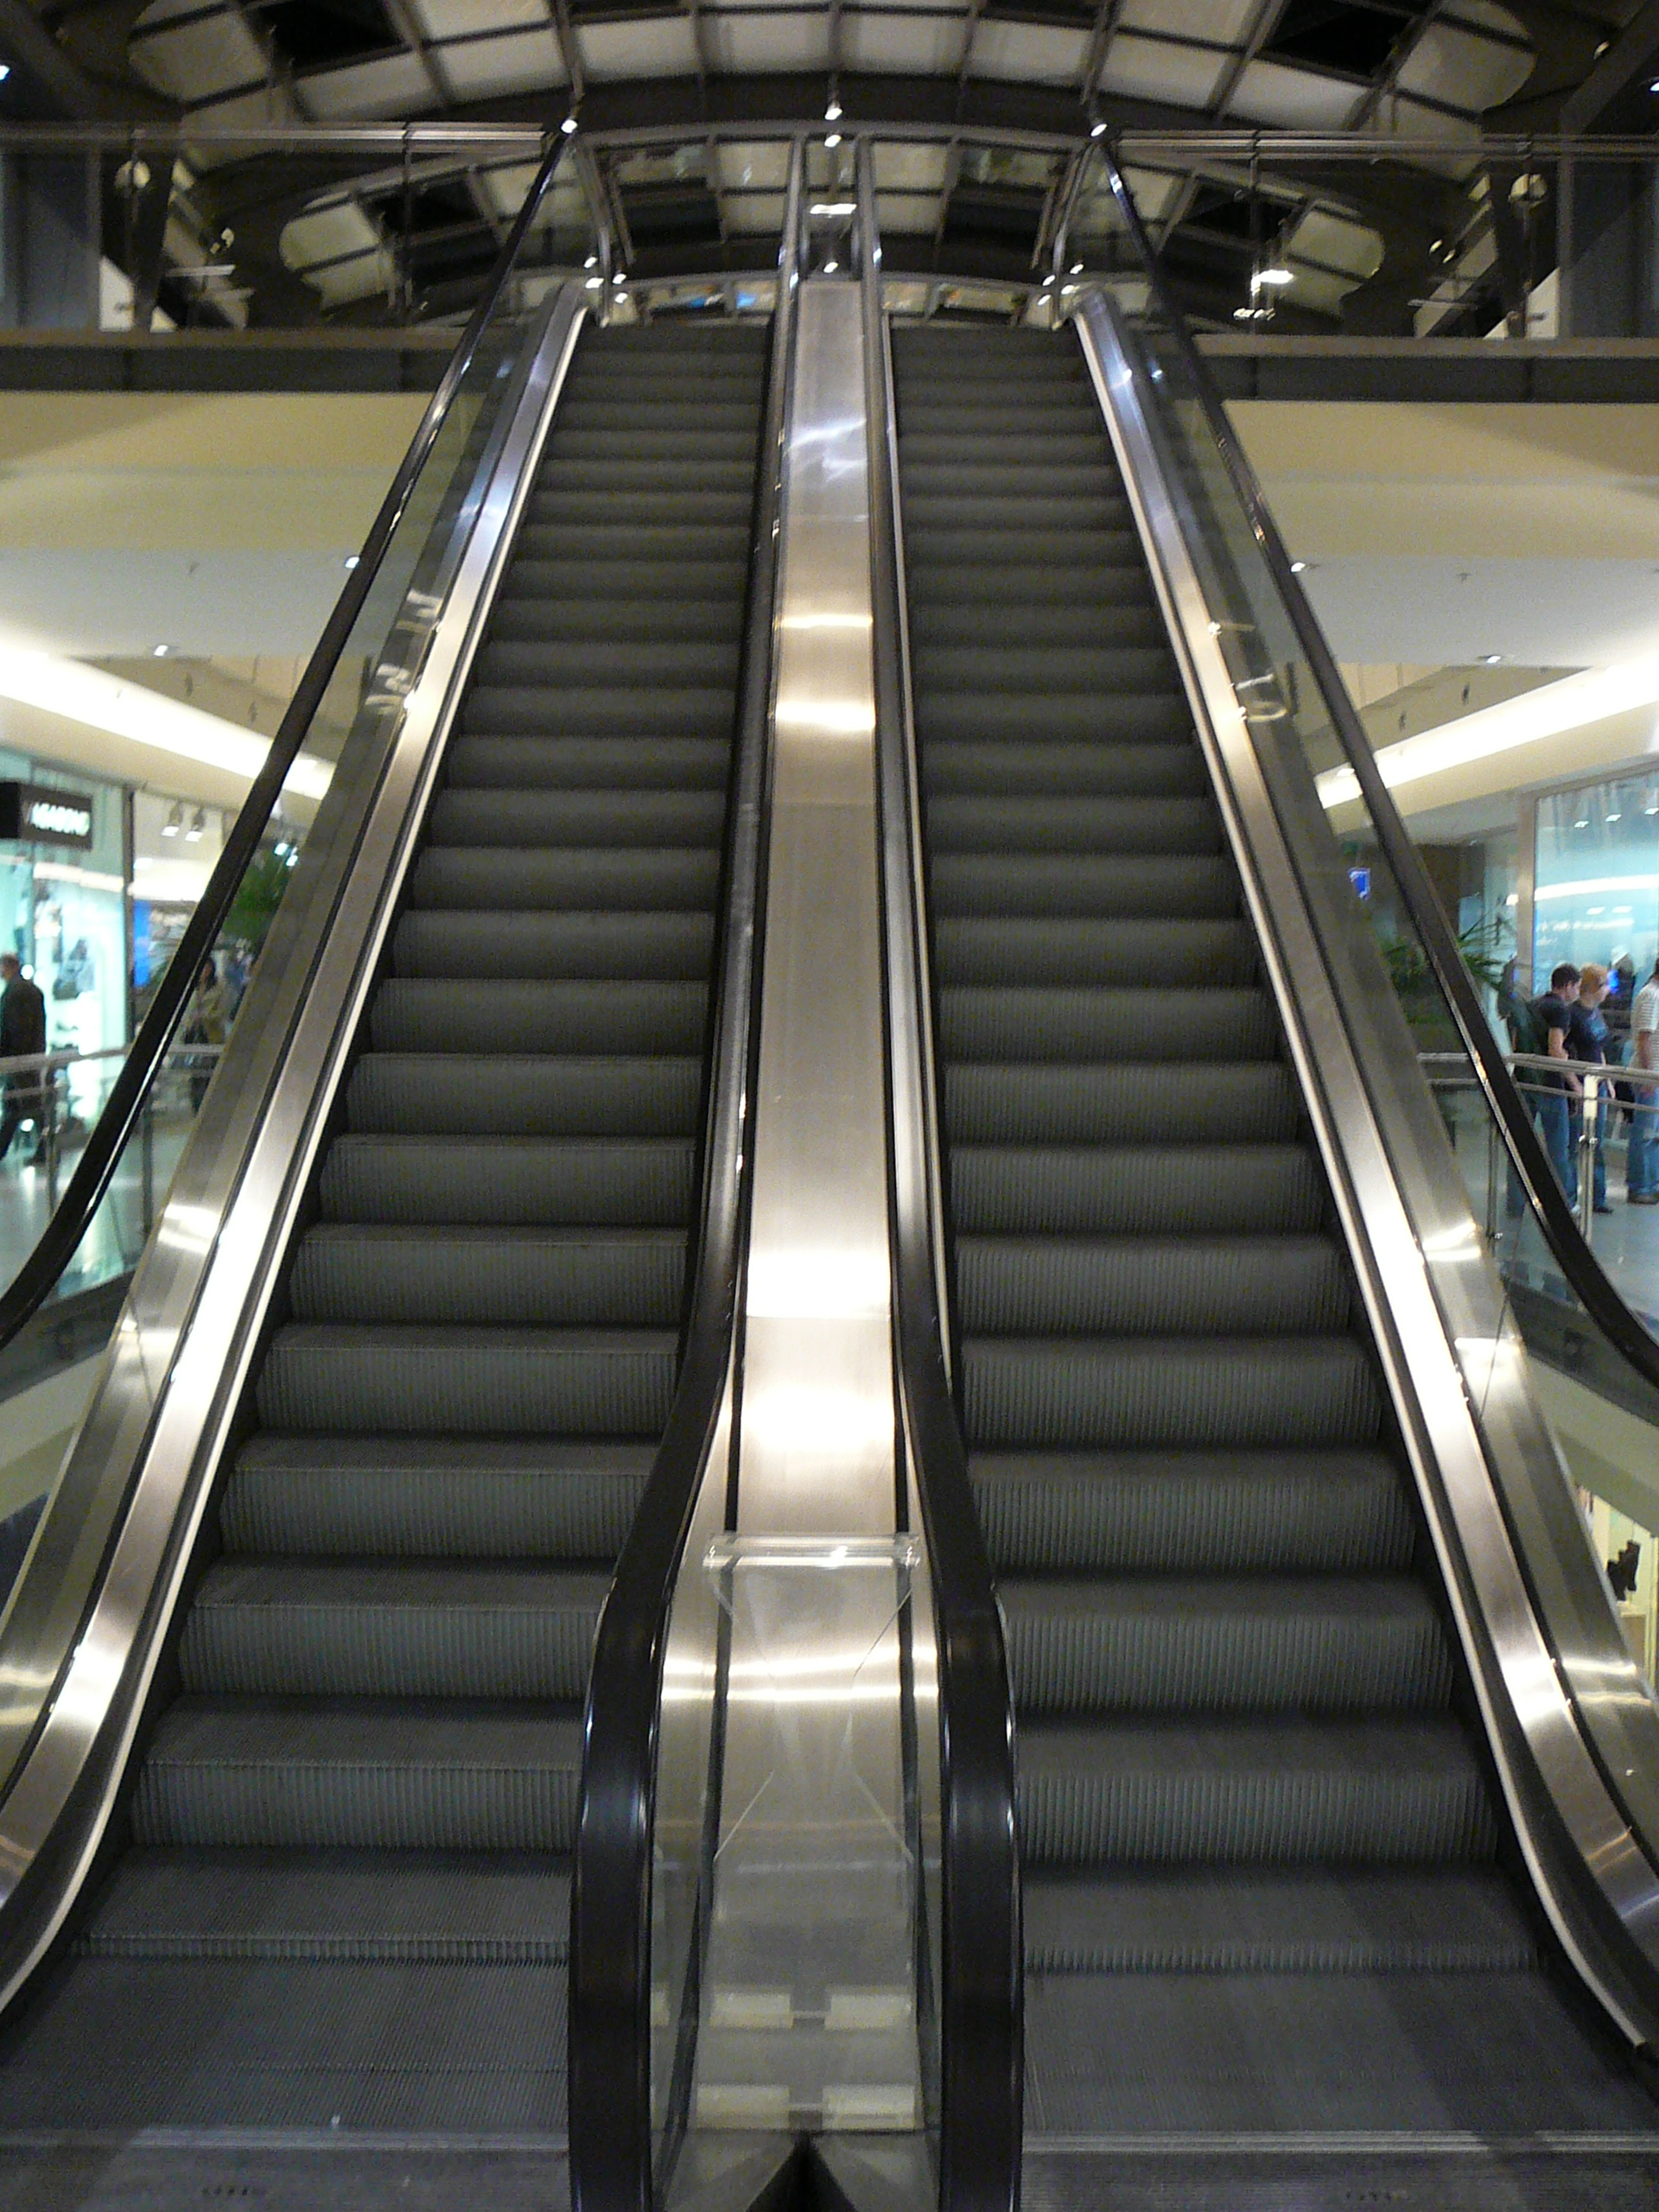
610 1914
981 1981
1572 1254
32 1286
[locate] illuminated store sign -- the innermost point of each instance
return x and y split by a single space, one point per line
30 814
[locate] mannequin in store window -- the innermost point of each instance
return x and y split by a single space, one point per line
22 1033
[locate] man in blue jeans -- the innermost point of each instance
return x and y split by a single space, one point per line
1641 1162
1552 1095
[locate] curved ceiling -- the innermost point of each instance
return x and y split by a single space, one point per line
1366 243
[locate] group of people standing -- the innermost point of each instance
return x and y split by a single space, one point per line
1566 1023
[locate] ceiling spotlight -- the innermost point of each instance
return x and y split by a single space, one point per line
1585 824
832 110
175 822
1097 130
569 126
1490 660
1297 568
5 71
1047 281
1654 87
197 823
352 560
596 283
620 277
592 262
832 138
830 267
1276 275
1076 268
1613 817
160 652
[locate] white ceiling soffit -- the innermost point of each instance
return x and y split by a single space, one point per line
394 86
1154 69
1459 69
657 46
205 55
1293 100
756 39
900 167
488 68
1223 23
1038 53
916 42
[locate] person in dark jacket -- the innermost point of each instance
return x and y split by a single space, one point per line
22 1031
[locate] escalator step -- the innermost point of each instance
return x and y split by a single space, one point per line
553 1278
596 764
1098 886
1187 1286
536 879
1031 770
627 662
640 582
468 1381
1054 717
433 1496
1183 1392
1144 1190
982 1022
1273 1511
396 1775
648 947
1078 824
1211 1644
266 1628
518 818
1375 1792
524 1181
1297 1921
506 1910
1108 1102
474 1015
1072 952
522 1095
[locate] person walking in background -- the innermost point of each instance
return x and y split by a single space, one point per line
208 1023
1586 1039
1641 1164
22 1033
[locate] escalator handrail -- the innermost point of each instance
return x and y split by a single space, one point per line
982 1981
33 1284
1572 1254
609 2043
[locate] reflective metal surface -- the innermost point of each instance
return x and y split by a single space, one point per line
140 1473
808 2018
1456 1372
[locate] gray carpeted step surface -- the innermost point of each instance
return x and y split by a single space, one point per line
347 1896
1258 1840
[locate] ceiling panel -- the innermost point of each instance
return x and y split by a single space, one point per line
1042 54
1224 23
900 168
397 85
753 165
1151 69
211 54
1464 70
1295 99
441 19
660 46
485 65
915 44
758 40
1354 248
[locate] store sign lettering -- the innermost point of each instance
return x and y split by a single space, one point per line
32 815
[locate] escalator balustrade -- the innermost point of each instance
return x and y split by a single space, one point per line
344 1894
1267 1881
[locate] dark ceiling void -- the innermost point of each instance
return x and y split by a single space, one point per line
1001 217
1355 38
1072 15
442 206
602 11
326 34
671 215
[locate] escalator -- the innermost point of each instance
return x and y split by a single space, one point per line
1270 1886
339 1895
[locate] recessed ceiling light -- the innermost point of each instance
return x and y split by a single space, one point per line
832 110
1614 817
352 560
5 71
160 652
569 126
1585 824
1098 130
832 138
1297 568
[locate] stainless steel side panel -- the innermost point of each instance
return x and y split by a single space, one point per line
141 1473
1459 1387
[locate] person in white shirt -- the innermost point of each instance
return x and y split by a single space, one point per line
1641 1161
